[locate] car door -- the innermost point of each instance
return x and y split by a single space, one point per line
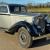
5 19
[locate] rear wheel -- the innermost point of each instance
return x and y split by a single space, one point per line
24 37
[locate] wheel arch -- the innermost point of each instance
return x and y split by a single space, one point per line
25 24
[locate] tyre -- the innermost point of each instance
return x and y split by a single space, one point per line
24 38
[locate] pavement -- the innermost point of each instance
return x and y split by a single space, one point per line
10 42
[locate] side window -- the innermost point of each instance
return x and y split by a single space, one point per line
16 9
3 9
23 10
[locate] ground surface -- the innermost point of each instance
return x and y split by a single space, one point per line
10 42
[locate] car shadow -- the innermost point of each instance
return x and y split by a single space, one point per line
41 42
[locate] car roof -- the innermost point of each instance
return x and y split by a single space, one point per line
12 4
16 5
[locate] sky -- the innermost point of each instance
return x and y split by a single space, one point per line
25 1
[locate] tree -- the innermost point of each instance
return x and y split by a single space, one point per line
29 5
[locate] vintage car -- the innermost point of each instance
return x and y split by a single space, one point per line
30 26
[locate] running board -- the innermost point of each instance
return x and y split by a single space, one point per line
3 29
40 37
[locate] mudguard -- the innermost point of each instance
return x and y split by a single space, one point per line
16 26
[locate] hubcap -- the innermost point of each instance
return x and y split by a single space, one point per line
22 38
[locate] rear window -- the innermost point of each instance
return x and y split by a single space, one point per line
3 9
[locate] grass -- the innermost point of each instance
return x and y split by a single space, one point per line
40 10
44 10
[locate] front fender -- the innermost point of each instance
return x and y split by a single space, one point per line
16 26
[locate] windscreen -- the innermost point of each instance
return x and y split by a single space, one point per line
3 9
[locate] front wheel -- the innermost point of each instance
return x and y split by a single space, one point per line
24 37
